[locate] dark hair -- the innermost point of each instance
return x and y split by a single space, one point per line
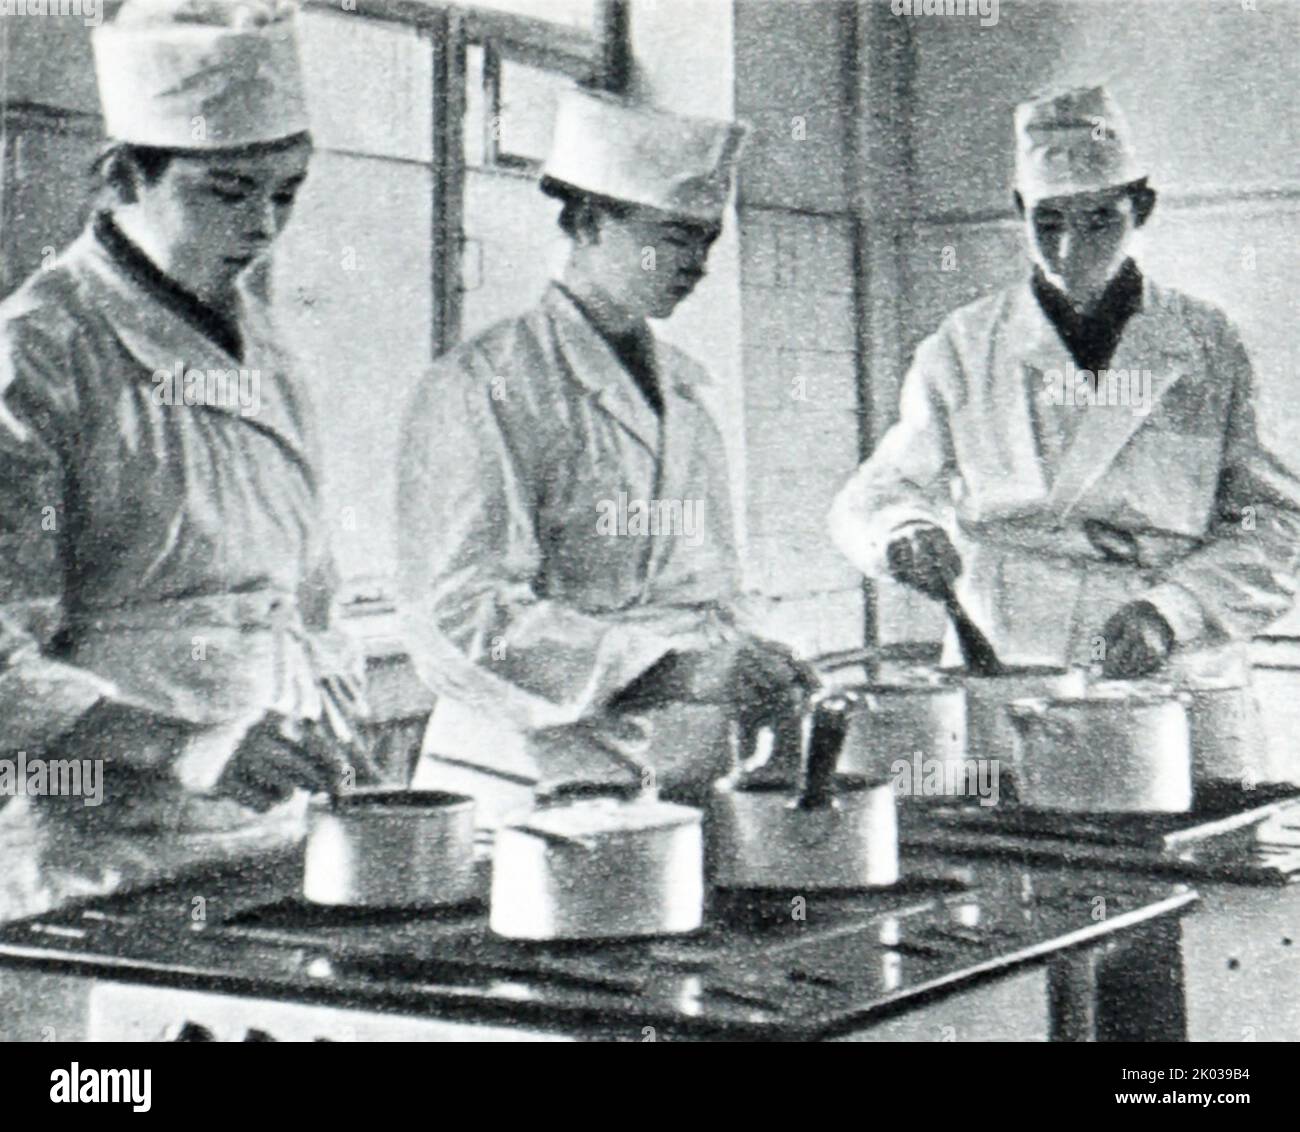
1140 193
114 159
117 158
581 208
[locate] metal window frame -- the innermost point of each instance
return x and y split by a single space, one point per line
600 60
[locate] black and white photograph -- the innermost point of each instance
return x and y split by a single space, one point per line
650 521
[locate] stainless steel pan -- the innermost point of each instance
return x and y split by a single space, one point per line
1122 748
836 831
390 849
598 862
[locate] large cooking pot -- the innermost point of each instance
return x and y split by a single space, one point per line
1227 740
918 711
1277 706
383 848
836 831
989 732
1124 747
598 861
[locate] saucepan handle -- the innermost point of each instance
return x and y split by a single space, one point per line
829 726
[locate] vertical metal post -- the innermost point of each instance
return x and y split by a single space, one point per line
614 63
447 45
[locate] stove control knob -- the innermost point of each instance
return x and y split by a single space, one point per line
188 1032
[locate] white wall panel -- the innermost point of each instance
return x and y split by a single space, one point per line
352 289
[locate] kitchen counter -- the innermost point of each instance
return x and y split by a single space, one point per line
235 953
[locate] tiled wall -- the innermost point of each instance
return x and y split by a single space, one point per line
801 419
799 297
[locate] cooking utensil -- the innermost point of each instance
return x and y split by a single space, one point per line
989 731
1227 739
976 650
383 848
835 831
598 861
829 725
918 713
1276 692
1121 748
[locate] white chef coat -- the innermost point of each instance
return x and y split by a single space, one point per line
181 547
1216 515
521 610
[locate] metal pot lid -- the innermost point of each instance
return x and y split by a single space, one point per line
588 817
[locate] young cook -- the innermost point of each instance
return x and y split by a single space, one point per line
1079 451
569 575
158 473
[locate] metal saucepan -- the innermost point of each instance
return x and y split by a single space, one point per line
921 713
946 716
913 711
1276 703
835 831
598 861
1227 739
1124 747
384 848
989 732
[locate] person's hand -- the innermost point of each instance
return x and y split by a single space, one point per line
278 755
758 679
768 684
924 558
1138 641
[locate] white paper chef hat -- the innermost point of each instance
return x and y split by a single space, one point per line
631 152
1073 141
200 74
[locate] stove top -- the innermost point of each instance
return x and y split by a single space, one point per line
766 965
1231 834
